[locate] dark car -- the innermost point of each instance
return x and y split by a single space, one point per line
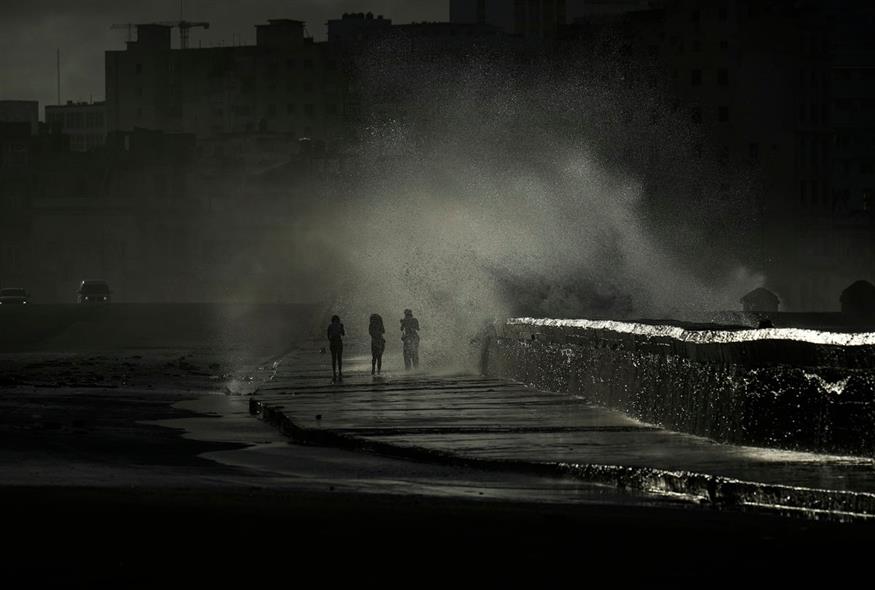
94 292
13 296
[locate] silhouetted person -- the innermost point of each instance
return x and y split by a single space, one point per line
485 339
410 338
335 342
765 323
378 342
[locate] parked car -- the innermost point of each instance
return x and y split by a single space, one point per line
13 296
94 292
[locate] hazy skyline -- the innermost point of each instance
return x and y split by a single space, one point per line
31 32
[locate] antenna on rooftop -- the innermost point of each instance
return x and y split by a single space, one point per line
58 59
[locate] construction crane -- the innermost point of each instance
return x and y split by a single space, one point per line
184 27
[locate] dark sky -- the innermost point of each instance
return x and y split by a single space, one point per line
31 31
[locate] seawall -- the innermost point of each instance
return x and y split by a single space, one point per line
782 388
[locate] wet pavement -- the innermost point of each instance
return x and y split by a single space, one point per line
140 468
474 420
179 418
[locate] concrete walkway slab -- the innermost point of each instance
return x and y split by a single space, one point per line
492 422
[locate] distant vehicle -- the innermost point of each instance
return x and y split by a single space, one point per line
10 296
94 292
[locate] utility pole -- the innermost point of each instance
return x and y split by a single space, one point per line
58 63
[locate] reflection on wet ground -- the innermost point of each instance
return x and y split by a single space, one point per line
171 418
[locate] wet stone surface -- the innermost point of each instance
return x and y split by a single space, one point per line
804 396
491 420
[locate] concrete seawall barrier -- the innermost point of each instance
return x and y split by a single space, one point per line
783 388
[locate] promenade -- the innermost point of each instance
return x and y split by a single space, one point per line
464 419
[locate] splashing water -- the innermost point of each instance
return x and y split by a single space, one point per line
493 193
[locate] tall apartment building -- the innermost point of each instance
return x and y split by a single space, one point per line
284 84
784 89
19 126
83 122
534 19
20 111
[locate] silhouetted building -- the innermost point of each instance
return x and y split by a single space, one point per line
533 19
591 8
285 84
83 122
15 144
859 299
779 91
356 27
21 111
760 300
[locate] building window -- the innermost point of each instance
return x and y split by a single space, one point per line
722 13
723 114
310 109
802 195
695 16
754 151
138 68
724 44
331 109
290 108
696 114
697 45
723 77
696 77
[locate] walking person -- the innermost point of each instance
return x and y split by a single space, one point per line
410 340
335 342
378 342
485 339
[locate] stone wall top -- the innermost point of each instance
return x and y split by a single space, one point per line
706 336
